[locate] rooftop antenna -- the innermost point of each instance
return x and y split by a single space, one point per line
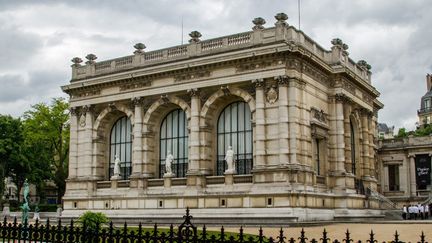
182 30
298 5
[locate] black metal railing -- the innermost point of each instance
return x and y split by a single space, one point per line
185 232
424 110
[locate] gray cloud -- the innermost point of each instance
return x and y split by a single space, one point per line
39 38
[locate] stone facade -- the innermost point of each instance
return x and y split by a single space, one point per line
405 166
310 114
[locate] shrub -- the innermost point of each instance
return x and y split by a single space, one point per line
91 219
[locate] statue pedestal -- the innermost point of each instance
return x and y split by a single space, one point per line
167 179
6 211
229 177
114 181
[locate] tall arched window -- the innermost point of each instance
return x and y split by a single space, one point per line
174 140
353 149
121 145
234 129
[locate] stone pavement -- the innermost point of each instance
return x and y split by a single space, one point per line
384 231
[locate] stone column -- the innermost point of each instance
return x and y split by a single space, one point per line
386 178
412 175
194 166
87 164
73 147
260 150
137 149
347 129
371 145
365 143
293 119
284 129
340 140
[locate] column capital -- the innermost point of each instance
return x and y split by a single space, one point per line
259 83
342 98
87 109
74 111
137 101
282 80
194 92
411 155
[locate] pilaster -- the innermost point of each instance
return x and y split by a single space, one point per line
195 166
88 165
413 183
284 146
137 148
365 144
73 147
260 152
293 118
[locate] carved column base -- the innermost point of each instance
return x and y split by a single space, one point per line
195 180
138 181
168 180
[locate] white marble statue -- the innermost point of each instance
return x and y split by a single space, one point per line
229 158
168 162
117 165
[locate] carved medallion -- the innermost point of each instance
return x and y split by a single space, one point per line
82 120
272 95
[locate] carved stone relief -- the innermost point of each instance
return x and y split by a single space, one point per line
272 95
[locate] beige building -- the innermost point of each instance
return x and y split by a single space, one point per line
405 166
300 120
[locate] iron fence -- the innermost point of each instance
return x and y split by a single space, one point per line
185 232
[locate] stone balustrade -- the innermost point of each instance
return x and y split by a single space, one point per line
336 57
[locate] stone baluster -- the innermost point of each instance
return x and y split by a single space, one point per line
284 129
73 150
260 152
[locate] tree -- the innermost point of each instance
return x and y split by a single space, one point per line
402 133
46 128
12 163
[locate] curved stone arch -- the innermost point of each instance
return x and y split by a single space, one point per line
105 114
215 97
151 128
163 101
102 132
209 115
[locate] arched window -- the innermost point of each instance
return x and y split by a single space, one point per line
234 129
121 145
353 149
174 140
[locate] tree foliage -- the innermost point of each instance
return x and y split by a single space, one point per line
46 129
12 161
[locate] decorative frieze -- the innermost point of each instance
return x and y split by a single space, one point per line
191 75
258 65
135 85
319 115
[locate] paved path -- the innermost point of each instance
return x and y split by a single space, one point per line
408 230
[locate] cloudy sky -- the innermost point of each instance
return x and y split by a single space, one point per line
39 38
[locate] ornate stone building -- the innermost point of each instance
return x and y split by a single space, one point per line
300 120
